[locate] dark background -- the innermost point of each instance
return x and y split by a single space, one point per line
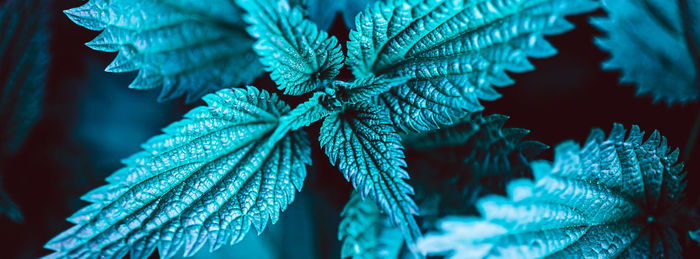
90 120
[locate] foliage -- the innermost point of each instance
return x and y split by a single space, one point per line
656 43
616 196
183 46
365 232
23 64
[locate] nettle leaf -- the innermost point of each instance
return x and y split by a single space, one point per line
453 51
470 159
323 12
363 144
188 46
615 197
297 54
207 179
24 62
366 232
655 43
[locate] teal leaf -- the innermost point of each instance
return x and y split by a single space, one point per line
298 55
364 89
470 159
206 180
24 61
656 44
363 144
367 233
695 236
323 12
185 46
614 197
454 52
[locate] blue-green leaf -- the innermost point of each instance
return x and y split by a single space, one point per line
367 233
363 144
453 51
297 54
323 12
188 46
24 62
656 44
207 179
615 197
470 159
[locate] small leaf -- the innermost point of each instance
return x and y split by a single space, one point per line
367 233
24 62
454 52
615 197
362 142
364 89
470 159
207 179
655 43
297 54
188 46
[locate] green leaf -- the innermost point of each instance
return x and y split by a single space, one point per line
615 197
362 143
656 44
297 54
188 46
207 179
24 61
454 52
367 233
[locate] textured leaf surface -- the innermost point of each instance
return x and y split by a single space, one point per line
367 233
207 179
188 46
615 197
469 159
453 51
323 12
23 65
297 54
656 44
363 144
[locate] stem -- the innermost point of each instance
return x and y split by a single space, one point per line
692 138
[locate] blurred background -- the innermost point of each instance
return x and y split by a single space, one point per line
90 120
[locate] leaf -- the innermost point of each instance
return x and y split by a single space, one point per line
207 179
297 54
615 197
24 62
323 12
656 44
188 46
470 159
454 52
695 236
364 89
363 144
365 232
8 207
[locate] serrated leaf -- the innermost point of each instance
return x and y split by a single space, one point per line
323 12
362 143
207 179
367 233
364 89
470 159
615 197
453 51
24 62
188 46
655 43
297 54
